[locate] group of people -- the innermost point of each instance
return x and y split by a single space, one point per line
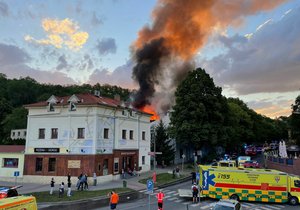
82 182
61 189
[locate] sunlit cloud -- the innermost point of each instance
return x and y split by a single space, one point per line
61 33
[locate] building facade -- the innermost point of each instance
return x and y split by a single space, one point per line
85 133
12 162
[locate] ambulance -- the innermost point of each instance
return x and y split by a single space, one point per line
245 184
18 202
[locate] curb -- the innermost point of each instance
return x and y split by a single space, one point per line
101 201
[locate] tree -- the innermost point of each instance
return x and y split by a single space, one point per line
199 113
163 144
295 121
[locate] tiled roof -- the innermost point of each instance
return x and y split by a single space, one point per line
84 99
12 148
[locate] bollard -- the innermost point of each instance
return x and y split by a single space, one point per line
124 183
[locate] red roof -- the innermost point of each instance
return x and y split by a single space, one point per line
84 99
12 148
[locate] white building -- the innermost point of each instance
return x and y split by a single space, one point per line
85 133
18 134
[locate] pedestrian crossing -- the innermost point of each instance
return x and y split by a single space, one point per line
172 196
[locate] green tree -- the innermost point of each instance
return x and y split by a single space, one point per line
199 113
295 121
163 144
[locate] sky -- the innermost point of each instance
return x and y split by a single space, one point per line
253 53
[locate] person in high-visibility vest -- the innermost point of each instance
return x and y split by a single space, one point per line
114 199
160 197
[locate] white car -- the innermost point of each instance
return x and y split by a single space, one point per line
227 204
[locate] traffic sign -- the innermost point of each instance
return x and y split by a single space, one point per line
197 176
150 185
17 173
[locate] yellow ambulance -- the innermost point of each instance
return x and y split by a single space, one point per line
18 203
245 184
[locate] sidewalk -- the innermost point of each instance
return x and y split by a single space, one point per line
132 182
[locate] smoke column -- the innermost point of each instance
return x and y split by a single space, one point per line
179 29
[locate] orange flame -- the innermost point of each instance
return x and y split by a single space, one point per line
150 110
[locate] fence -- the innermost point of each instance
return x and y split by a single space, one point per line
288 165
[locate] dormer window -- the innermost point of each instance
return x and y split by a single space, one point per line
72 106
51 107
124 113
132 113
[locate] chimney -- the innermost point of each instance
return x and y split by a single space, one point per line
117 97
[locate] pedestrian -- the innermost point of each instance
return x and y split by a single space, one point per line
69 177
61 190
52 186
69 188
160 199
195 192
85 182
193 177
114 199
177 172
123 173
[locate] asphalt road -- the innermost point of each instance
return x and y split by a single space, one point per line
173 202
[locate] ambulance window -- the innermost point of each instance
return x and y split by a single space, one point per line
297 183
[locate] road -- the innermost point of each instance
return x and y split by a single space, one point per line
173 202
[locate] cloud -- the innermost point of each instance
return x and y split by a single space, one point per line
106 46
62 63
4 12
12 55
268 61
13 62
121 76
95 20
61 33
86 63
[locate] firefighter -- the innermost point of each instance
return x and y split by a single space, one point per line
160 197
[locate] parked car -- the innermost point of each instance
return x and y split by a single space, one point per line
6 192
250 151
227 204
251 164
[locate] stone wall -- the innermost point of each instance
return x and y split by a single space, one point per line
291 166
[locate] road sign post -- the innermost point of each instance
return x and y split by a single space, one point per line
16 174
149 190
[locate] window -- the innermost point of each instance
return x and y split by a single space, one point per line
143 135
19 133
50 107
10 162
116 165
51 164
124 112
39 164
143 160
297 183
54 132
42 133
123 134
25 133
106 130
80 133
13 133
131 134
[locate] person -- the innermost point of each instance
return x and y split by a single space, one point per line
160 199
193 176
85 182
114 199
52 186
123 173
177 172
69 177
61 190
79 183
69 188
195 191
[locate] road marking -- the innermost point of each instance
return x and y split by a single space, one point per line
266 208
275 207
170 192
171 199
186 203
176 193
205 207
177 201
167 196
195 204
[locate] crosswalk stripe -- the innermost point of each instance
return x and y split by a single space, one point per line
275 207
279 206
186 203
167 196
177 201
265 208
171 199
205 207
170 192
176 194
142 191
